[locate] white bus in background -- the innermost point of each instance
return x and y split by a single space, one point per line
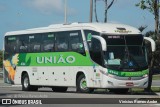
82 55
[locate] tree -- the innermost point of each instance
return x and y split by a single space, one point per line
107 7
141 28
153 7
150 34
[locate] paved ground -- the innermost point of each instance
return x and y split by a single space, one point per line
156 83
15 92
9 91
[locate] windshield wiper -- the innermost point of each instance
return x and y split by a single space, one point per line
133 59
128 58
125 59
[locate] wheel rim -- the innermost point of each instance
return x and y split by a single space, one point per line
83 84
26 82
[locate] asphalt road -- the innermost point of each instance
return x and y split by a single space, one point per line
8 91
15 92
156 83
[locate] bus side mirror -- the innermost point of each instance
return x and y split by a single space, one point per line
103 42
153 44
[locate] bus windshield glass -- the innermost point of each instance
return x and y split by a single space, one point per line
125 52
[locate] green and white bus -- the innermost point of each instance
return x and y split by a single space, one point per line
82 55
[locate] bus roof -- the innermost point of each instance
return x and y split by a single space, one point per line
107 28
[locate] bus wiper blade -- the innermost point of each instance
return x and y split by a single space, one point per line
122 64
133 59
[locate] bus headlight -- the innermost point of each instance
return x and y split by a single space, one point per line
107 74
110 75
103 72
146 75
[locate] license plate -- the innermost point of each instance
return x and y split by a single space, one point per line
129 84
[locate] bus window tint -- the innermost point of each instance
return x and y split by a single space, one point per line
87 32
35 43
114 39
61 42
11 45
95 51
48 42
23 43
76 43
130 40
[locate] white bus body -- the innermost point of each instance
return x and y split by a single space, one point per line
53 73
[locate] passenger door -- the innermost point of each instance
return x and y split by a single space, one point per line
97 57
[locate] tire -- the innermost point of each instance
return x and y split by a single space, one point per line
59 89
82 86
34 88
119 90
26 84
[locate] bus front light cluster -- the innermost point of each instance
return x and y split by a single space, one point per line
103 72
146 75
107 74
110 75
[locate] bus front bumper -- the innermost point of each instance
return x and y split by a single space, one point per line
115 83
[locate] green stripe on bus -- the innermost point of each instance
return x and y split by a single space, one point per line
54 59
128 74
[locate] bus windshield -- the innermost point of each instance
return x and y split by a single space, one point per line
125 52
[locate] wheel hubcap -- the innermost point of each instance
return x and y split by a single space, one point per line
26 82
83 84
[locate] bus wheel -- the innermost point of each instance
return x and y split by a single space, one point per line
26 84
82 85
59 89
34 88
119 90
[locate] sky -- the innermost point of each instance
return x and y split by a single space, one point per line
25 14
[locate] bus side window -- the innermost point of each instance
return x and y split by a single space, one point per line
61 42
76 43
95 51
23 43
35 43
87 32
11 46
48 42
